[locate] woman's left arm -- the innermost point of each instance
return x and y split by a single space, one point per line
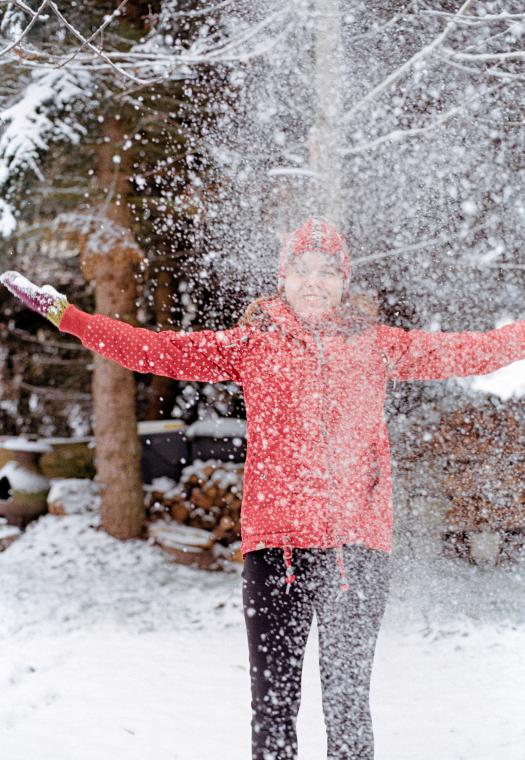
423 355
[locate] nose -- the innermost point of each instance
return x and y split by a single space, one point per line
311 277
311 282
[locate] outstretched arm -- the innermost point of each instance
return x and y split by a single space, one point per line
206 355
422 355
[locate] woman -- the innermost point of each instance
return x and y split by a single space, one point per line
316 517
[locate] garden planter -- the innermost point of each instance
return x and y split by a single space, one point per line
23 487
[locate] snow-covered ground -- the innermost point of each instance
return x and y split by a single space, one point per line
109 650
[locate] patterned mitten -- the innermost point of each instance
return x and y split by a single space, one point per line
45 300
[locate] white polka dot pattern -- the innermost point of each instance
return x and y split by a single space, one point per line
317 470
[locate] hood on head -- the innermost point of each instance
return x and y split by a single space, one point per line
316 235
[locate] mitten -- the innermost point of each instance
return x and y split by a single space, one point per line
45 300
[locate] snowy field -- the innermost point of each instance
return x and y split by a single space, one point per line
108 650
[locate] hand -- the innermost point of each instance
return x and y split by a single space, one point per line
45 300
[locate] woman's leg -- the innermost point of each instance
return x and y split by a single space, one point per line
348 625
277 624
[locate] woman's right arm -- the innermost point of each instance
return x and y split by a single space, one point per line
205 355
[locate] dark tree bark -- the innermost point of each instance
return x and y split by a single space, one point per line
110 258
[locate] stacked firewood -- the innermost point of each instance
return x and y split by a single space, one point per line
482 455
201 513
492 502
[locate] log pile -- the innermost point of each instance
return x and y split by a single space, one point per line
482 455
200 515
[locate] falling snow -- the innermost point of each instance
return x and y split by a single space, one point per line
328 195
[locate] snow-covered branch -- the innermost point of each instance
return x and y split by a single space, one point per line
407 65
26 125
19 4
98 51
513 55
398 135
249 42
201 11
487 18
231 46
7 216
117 12
15 44
29 127
425 245
491 71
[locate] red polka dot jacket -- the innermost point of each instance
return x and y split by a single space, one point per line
317 470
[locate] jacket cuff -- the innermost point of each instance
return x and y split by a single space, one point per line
74 321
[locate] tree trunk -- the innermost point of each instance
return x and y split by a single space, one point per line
109 258
162 391
117 443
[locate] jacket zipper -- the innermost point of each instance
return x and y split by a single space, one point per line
325 432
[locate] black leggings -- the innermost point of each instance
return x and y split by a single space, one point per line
278 624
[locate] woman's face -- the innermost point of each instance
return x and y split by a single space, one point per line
313 283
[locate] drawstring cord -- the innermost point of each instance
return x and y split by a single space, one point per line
290 575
